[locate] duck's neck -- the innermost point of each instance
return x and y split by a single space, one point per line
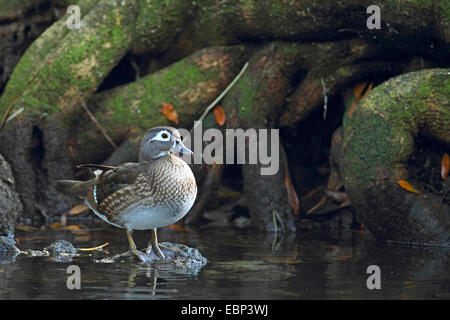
152 158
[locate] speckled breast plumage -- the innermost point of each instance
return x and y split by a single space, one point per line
161 195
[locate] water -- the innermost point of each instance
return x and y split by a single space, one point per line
241 265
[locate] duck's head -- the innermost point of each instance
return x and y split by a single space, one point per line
160 141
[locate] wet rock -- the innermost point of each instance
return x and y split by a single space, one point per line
178 254
59 251
61 247
10 206
183 255
8 246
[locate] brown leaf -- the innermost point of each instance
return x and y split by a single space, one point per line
72 227
445 166
219 113
361 90
405 185
367 91
358 90
22 227
70 145
78 209
169 112
176 227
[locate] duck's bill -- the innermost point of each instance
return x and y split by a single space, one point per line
180 147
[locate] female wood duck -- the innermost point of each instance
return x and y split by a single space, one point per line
155 192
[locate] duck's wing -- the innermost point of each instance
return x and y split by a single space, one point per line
111 181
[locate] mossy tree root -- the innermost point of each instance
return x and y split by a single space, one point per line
405 25
255 102
309 95
65 66
189 85
378 142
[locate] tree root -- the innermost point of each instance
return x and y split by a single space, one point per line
378 143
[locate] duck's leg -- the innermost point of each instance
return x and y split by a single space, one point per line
154 244
133 246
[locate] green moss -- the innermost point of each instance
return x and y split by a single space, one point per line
443 8
402 99
374 144
158 23
279 8
380 133
185 83
71 66
421 3
248 97
37 56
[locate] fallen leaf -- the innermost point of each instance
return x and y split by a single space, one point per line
21 227
169 112
445 166
70 145
367 91
176 227
219 114
361 90
405 185
78 209
358 90
56 225
73 227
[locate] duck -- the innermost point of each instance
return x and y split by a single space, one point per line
152 193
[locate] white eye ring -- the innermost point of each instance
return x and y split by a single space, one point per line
163 135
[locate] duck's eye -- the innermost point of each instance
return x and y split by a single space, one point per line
161 136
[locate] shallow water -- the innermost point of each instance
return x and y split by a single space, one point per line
241 265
